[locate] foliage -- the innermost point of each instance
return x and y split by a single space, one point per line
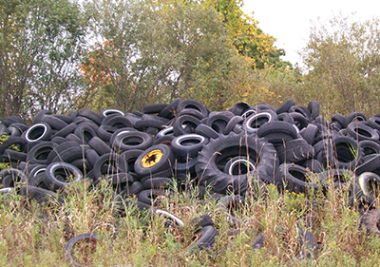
342 61
151 51
35 234
40 41
247 37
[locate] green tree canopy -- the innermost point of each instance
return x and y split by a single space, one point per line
39 52
247 37
342 62
149 51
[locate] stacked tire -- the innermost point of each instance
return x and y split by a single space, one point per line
184 144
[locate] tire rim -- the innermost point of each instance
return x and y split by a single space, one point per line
369 184
111 111
189 137
258 116
32 131
245 162
152 158
69 171
6 190
165 132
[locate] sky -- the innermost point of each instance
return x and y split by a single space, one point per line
289 21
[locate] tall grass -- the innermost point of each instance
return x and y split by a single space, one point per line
32 234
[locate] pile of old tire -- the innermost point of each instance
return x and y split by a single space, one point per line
186 145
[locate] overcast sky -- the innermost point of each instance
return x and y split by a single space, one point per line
290 21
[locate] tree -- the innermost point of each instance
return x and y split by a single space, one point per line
247 37
342 63
40 43
149 51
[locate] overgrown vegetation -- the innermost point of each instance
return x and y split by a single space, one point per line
33 234
72 54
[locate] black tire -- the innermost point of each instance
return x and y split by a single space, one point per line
295 150
99 146
85 132
16 129
148 196
74 138
117 121
15 177
206 238
337 177
168 131
369 185
371 221
170 110
59 149
58 172
309 133
285 107
263 154
206 131
219 120
86 113
38 132
374 122
69 257
150 122
186 167
130 157
110 112
12 141
294 179
356 117
370 164
239 108
58 140
346 153
361 131
70 128
132 140
188 145
39 153
39 179
108 164
192 112
11 155
300 121
277 132
235 121
185 124
340 119
192 104
71 154
314 108
120 178
38 194
39 115
369 147
92 156
304 112
54 122
154 159
255 121
238 166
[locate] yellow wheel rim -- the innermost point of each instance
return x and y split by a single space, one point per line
151 158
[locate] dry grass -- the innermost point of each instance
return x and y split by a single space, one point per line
35 235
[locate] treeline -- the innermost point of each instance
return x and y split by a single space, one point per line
62 55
